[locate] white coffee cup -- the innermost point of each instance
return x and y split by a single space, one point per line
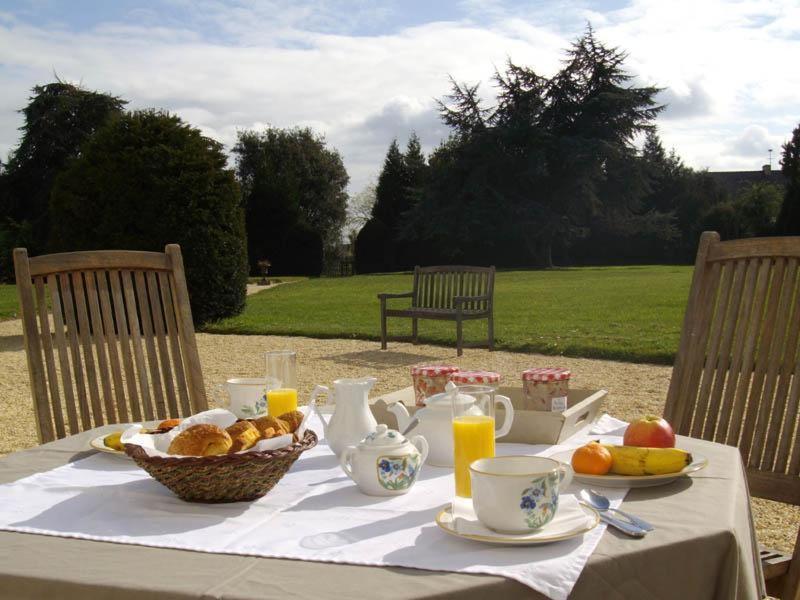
517 494
245 397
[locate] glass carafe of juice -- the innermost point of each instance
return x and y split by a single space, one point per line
474 429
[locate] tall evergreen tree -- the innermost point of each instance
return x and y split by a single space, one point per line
536 169
390 195
58 120
399 183
789 219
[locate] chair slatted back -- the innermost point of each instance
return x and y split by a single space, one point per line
436 287
735 379
108 337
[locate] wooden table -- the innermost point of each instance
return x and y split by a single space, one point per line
703 547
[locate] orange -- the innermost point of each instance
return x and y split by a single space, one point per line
591 459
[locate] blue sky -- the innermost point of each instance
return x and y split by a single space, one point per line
362 72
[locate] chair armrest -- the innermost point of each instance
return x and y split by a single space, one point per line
463 299
403 295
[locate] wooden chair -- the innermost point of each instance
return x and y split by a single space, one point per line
735 378
109 338
450 293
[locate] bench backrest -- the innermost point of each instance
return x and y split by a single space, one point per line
436 287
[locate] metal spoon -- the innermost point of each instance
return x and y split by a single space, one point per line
601 503
623 526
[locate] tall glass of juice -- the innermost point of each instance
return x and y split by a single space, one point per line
281 400
281 382
474 429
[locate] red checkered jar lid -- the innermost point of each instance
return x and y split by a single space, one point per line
433 370
546 374
479 377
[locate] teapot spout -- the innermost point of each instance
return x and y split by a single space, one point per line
401 413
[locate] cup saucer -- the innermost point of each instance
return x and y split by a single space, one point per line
574 521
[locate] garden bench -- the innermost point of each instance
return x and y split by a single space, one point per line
449 293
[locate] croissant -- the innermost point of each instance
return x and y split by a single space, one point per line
279 426
169 423
293 418
201 440
244 435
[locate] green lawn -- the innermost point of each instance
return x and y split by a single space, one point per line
9 304
627 313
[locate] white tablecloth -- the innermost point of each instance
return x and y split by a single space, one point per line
314 513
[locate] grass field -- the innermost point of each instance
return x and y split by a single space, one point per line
626 313
9 305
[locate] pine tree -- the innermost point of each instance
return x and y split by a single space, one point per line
546 158
390 195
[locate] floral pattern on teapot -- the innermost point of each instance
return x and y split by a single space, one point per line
539 501
398 472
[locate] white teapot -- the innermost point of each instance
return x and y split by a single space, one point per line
385 463
436 421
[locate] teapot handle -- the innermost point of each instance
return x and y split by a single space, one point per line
509 418
346 461
318 389
422 445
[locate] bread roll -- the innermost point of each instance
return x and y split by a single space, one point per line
293 418
244 435
263 424
201 440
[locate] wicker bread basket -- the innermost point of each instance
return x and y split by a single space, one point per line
224 477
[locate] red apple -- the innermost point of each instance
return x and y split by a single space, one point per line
649 432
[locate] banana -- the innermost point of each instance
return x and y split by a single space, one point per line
112 441
633 460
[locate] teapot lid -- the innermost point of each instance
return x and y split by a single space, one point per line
383 436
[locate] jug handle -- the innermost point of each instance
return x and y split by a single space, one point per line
220 396
509 418
318 389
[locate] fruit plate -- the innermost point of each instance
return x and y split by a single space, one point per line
98 443
633 481
547 535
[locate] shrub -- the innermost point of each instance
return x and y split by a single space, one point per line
147 179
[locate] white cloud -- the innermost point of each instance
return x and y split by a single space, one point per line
755 141
723 62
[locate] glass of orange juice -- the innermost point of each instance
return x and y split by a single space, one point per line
474 429
281 401
281 382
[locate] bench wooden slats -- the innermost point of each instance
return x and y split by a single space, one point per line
447 293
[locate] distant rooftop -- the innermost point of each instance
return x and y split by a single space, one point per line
733 181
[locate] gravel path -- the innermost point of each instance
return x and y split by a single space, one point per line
634 389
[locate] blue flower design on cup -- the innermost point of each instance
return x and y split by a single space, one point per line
539 501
